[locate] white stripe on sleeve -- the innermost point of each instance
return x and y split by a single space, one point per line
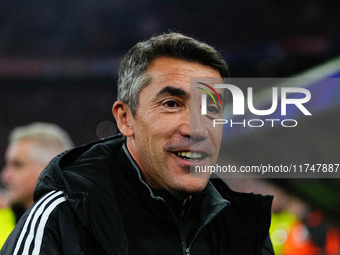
23 231
35 214
41 227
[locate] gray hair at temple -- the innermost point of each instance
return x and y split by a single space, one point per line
132 76
49 140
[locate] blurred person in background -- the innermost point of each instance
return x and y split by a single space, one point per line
7 218
311 233
29 151
298 229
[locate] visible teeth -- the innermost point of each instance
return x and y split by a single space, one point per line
189 155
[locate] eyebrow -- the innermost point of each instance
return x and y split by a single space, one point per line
173 91
221 96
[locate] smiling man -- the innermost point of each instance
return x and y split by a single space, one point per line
159 133
133 193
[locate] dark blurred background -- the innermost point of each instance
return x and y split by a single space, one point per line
59 60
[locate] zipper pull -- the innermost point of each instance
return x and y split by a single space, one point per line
187 251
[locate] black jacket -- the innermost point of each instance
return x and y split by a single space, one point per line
93 200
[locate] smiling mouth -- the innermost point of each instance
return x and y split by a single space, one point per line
193 156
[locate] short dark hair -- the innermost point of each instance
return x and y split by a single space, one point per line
131 75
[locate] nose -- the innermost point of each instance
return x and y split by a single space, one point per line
193 128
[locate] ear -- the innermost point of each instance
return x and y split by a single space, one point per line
124 118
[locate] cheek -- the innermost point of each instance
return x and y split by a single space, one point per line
29 185
155 129
215 136
218 137
23 180
29 177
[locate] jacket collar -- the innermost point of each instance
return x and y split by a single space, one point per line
211 201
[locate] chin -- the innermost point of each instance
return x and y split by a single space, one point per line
192 186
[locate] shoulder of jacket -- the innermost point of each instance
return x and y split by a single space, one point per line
97 152
110 144
28 234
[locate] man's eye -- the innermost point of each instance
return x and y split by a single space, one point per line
213 109
16 165
171 103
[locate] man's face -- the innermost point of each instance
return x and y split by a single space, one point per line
21 172
163 144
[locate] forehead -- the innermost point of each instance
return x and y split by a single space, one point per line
177 72
19 148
